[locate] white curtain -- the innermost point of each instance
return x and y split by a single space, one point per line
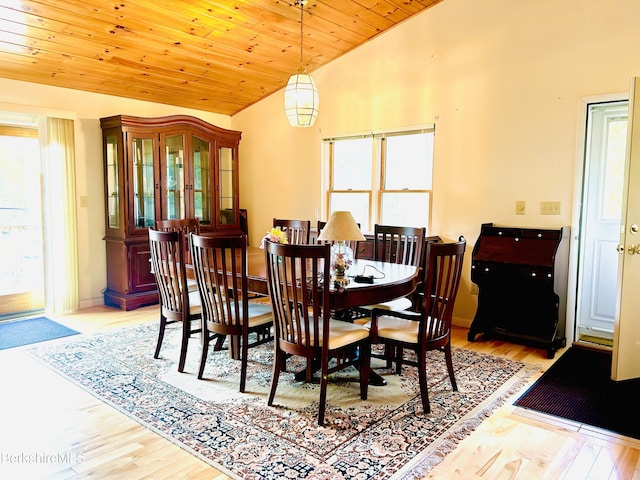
60 216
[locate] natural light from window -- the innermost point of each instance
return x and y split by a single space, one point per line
382 178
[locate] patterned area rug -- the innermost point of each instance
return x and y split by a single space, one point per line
387 436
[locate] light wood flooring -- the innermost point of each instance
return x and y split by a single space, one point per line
52 429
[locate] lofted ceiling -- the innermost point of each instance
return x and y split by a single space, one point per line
214 55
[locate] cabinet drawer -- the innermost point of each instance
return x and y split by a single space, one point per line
495 272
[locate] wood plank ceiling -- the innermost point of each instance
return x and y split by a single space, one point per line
213 55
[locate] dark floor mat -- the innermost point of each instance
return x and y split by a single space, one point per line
578 387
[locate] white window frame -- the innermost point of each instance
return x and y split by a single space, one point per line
376 190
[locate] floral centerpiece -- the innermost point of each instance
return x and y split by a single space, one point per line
274 235
341 264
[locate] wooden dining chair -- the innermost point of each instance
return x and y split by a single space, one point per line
226 310
397 244
297 231
182 225
298 282
177 303
429 329
185 225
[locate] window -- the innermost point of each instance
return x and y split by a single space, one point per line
383 177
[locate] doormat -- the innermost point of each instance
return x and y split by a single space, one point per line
16 333
578 387
386 436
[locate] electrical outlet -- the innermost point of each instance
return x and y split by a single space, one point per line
549 208
520 207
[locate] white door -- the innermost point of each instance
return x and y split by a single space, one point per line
626 342
605 150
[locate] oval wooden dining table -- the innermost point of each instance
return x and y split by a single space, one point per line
390 281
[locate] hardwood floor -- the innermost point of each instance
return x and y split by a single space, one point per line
55 430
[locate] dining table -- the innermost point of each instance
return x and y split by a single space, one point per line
385 281
388 281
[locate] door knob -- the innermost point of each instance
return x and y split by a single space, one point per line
634 228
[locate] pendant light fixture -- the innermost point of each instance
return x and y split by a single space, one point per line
301 94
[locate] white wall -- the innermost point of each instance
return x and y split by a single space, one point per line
86 109
501 80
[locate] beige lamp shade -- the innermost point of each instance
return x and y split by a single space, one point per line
341 226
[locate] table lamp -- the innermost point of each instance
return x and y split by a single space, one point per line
340 229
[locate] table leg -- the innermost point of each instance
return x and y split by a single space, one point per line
234 347
375 379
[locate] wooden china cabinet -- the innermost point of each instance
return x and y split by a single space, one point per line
162 168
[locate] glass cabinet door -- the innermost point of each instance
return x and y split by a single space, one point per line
202 199
113 199
142 150
174 177
227 186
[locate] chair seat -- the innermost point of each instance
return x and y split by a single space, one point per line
397 329
366 321
402 303
259 314
343 333
192 285
195 307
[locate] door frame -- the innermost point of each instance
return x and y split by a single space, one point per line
576 230
24 303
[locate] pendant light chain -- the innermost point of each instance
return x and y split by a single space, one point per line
302 4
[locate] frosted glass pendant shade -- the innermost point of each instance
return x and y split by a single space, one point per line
301 100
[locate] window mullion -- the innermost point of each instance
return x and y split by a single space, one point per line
331 165
377 179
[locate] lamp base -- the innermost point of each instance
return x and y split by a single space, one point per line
341 255
340 280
